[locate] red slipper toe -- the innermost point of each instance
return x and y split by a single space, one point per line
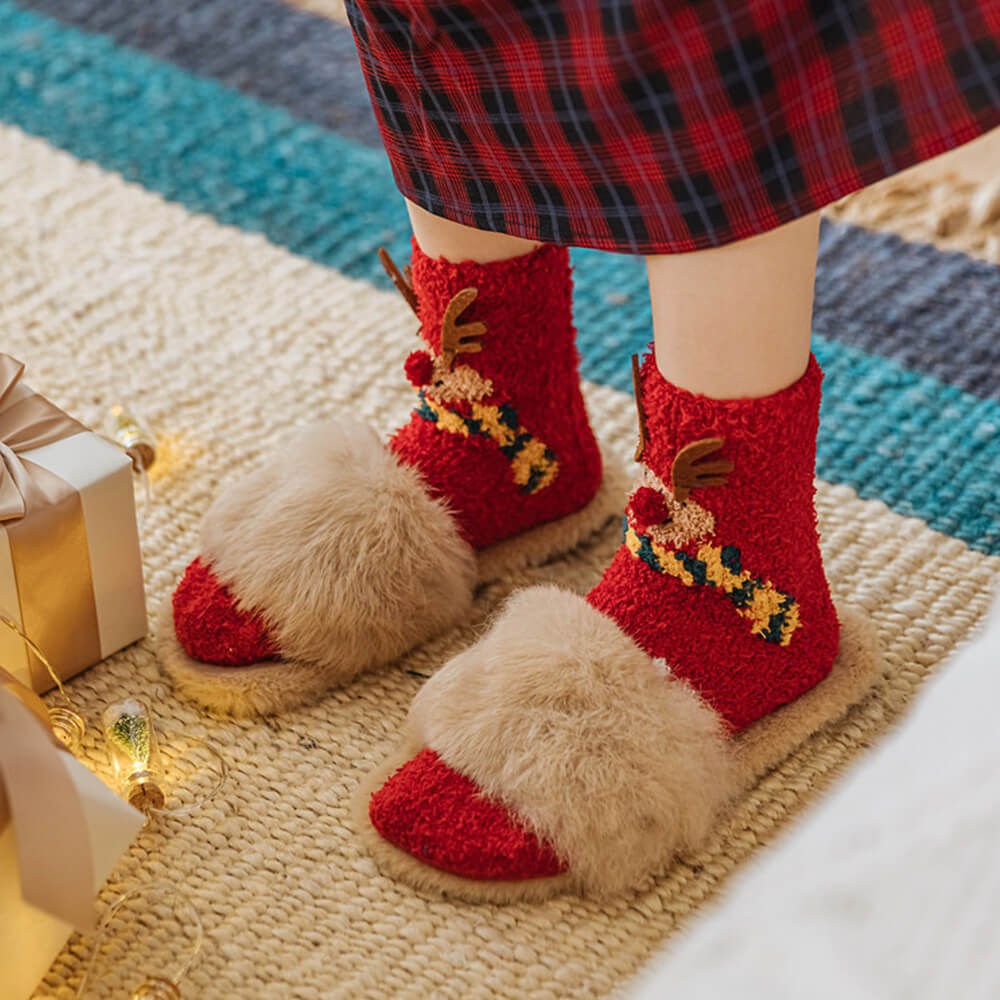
211 628
441 818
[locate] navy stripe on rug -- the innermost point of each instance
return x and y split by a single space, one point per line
285 56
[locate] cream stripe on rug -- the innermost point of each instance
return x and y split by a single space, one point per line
952 201
227 342
333 9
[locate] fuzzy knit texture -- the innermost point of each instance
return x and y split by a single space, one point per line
599 724
560 717
273 864
332 546
529 357
281 572
437 829
209 626
440 816
765 532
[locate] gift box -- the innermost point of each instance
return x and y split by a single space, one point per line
70 565
61 832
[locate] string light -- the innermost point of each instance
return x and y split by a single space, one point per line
125 429
134 752
70 727
132 436
67 723
129 731
156 987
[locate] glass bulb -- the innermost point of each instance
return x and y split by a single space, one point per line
131 741
132 435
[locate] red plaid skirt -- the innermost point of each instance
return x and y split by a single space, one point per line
649 126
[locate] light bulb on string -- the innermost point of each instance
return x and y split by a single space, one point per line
125 428
132 746
132 435
132 743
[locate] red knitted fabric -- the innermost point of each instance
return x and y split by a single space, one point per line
419 368
647 507
439 816
764 524
529 354
765 516
209 626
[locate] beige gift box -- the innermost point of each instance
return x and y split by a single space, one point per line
61 832
70 565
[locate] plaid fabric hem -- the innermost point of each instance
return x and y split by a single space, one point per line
644 126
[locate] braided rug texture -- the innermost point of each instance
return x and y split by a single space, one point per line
228 341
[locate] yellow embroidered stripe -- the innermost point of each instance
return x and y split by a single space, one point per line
532 462
773 615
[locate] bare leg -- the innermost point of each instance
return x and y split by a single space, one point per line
439 237
735 321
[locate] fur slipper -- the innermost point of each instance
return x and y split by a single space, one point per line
585 741
342 553
556 756
345 584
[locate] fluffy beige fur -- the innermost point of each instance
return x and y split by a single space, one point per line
340 547
352 563
561 716
858 667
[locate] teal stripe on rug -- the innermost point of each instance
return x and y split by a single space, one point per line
923 446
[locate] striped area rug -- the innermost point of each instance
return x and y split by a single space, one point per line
191 195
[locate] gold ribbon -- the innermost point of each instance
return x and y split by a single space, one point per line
43 517
52 841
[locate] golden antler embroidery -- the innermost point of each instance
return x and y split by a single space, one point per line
688 474
457 339
640 448
403 284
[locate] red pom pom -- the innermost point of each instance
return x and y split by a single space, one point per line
648 507
419 368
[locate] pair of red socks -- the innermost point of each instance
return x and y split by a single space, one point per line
718 580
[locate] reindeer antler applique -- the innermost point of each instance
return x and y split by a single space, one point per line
669 546
688 473
403 282
640 448
460 338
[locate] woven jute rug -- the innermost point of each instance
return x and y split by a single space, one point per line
226 342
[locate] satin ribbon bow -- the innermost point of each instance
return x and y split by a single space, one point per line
26 424
42 516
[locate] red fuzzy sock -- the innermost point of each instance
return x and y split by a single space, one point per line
727 587
500 429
